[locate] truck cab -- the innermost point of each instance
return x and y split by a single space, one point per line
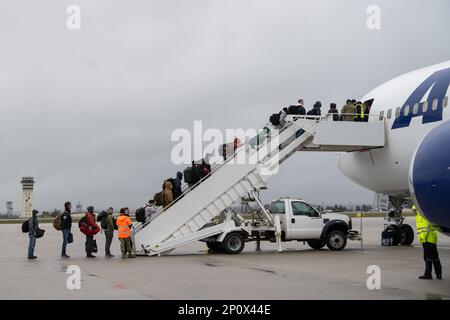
300 221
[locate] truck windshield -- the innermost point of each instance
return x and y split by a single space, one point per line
277 207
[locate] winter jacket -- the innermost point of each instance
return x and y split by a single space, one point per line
335 113
90 228
176 188
33 225
66 220
109 223
314 112
90 219
150 211
349 109
167 193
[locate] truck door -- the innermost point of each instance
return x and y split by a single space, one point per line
305 222
279 208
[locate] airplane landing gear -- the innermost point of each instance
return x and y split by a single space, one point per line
395 231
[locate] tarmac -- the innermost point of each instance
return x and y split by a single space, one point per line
191 273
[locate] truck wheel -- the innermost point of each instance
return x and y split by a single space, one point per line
336 240
215 247
395 230
233 243
406 234
316 244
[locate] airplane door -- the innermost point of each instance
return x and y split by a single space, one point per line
306 223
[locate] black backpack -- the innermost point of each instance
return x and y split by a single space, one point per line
26 226
188 175
82 220
172 181
102 218
275 119
140 214
292 110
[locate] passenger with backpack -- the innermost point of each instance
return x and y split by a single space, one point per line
334 111
176 188
33 227
90 228
278 119
66 226
124 233
167 194
315 111
150 210
206 165
189 177
300 110
228 150
109 231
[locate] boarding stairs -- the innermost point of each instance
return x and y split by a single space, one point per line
189 217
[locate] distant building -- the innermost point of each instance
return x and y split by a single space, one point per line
9 208
79 207
27 196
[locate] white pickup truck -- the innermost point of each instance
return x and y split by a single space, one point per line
299 221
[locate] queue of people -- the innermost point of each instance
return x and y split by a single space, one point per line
352 111
89 227
426 233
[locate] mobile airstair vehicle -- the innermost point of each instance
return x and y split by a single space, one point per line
202 213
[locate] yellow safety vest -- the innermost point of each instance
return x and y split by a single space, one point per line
361 111
425 230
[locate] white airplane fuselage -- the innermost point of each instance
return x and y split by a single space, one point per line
386 170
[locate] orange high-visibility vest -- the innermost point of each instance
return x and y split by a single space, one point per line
123 227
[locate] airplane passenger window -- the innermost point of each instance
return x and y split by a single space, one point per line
435 104
277 207
415 108
424 106
397 112
381 115
389 113
406 112
445 101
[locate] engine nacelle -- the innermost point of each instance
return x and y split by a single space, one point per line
429 177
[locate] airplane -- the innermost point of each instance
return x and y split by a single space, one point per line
415 162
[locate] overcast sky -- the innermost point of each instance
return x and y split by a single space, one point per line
89 112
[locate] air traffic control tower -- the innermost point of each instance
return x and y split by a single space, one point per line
27 196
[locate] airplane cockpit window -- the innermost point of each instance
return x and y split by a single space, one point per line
397 112
415 108
445 103
406 112
424 106
381 115
435 104
389 113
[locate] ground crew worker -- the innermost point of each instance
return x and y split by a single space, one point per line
347 111
359 112
427 235
124 233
